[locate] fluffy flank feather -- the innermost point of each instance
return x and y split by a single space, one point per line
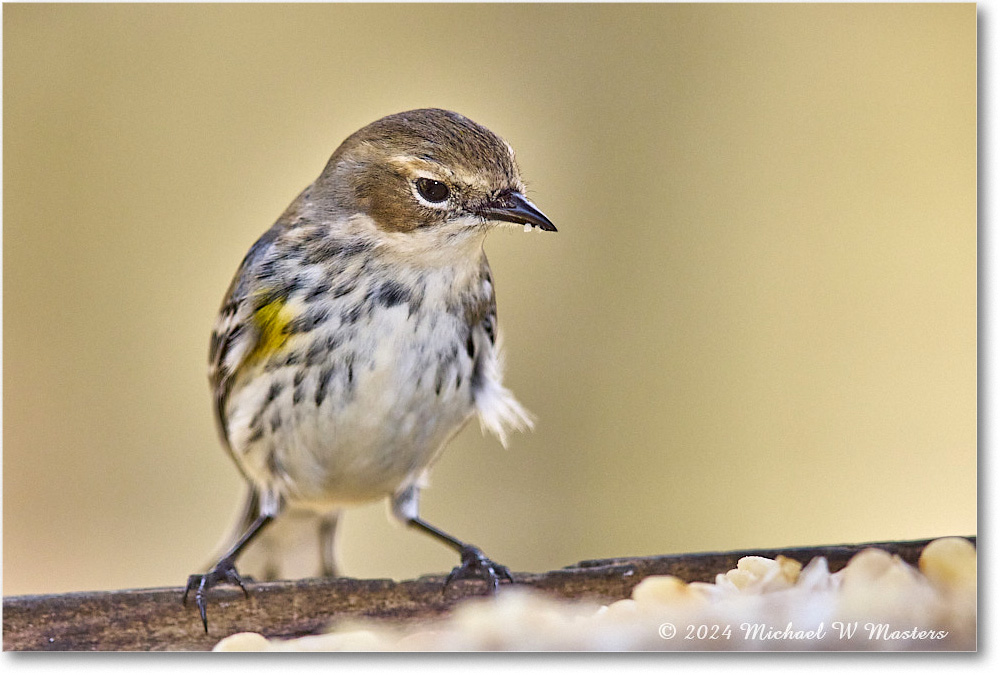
499 412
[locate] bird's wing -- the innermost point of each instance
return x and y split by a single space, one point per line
235 335
499 412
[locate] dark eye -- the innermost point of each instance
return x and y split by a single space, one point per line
432 190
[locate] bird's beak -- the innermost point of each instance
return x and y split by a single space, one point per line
513 207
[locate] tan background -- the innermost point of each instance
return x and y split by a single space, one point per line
755 327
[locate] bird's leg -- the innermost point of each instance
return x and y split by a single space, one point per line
224 571
327 542
474 564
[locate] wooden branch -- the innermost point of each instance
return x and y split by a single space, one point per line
155 619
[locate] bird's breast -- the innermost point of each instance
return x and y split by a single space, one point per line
365 387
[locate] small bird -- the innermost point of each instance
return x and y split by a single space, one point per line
359 334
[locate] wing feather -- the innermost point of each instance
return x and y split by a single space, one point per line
234 334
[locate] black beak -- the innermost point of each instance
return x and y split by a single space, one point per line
514 208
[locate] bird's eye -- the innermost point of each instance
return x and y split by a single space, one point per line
432 190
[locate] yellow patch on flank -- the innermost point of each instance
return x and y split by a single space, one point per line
272 322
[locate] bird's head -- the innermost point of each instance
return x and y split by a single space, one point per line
429 170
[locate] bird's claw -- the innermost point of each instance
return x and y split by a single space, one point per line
224 572
475 565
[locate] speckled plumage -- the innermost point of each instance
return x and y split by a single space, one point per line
360 332
381 360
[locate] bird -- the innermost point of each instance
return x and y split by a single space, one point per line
359 334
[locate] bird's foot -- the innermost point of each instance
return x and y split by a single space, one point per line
477 566
224 572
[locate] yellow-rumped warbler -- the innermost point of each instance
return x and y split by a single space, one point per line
360 334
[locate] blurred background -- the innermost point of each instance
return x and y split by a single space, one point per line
756 325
